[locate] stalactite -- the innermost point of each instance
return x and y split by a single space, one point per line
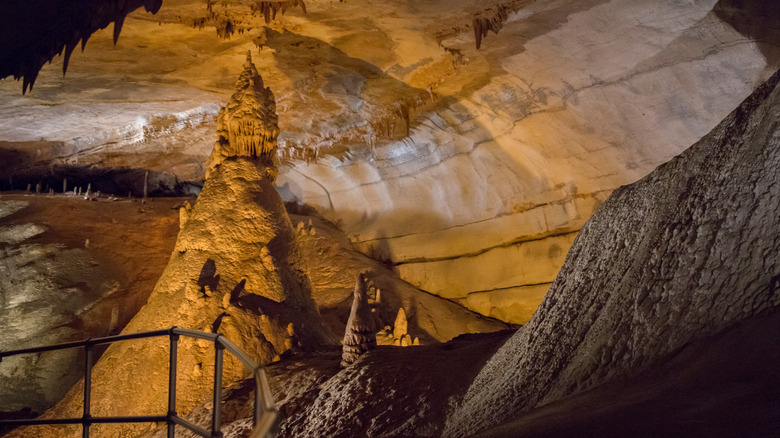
39 30
493 19
248 125
270 9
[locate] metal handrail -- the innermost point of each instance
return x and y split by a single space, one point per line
265 413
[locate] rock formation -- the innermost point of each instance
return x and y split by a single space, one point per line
674 270
34 34
504 171
270 9
54 287
492 19
332 264
360 335
248 125
235 269
686 252
401 324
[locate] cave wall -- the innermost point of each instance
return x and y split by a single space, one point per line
454 165
686 252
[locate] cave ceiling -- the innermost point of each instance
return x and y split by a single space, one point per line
456 140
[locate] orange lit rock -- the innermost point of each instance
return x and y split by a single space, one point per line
235 270
360 335
400 326
248 125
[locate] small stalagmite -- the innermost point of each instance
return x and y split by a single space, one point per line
359 336
400 326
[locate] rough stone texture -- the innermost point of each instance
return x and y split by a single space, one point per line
360 335
235 270
699 391
55 289
723 385
398 392
686 252
446 160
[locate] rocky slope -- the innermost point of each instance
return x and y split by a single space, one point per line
236 269
71 269
686 252
723 385
458 165
654 326
390 391
333 264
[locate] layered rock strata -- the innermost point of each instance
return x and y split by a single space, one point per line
686 252
455 164
235 270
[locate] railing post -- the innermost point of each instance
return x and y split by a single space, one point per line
172 384
85 417
258 401
216 414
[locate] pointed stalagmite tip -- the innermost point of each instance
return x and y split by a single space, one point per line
360 335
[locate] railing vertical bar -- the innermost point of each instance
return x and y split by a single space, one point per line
265 414
172 365
216 413
258 407
87 390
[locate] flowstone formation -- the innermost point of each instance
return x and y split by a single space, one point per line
359 337
247 126
235 270
687 252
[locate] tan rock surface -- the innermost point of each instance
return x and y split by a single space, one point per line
686 252
332 263
54 289
428 153
238 241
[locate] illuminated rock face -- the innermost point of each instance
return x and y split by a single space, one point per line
470 170
361 333
235 270
686 252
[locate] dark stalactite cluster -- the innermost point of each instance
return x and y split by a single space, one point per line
270 9
33 32
233 17
492 19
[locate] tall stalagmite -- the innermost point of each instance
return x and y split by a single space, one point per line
235 270
361 334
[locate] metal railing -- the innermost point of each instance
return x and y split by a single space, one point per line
265 414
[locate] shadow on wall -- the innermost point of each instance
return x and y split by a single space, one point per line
757 20
119 181
330 71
